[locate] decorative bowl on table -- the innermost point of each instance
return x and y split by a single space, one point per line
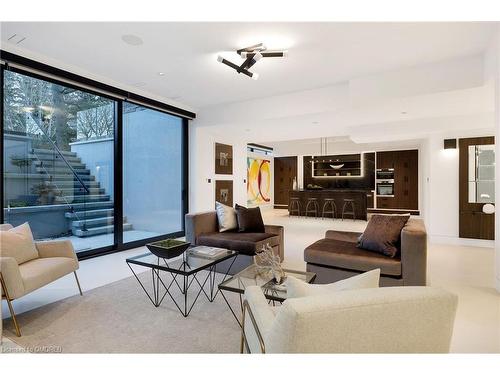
168 248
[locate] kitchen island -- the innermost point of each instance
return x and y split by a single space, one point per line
338 195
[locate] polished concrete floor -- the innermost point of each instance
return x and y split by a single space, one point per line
464 270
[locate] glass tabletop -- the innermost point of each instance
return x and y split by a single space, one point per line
187 264
250 276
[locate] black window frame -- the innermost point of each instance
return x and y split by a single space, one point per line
119 96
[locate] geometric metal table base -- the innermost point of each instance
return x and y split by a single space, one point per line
269 301
161 286
251 276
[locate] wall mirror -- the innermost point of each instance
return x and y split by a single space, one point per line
481 173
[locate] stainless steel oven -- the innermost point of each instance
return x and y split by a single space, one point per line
385 188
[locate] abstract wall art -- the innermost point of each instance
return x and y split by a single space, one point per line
258 181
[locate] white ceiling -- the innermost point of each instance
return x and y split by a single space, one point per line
320 54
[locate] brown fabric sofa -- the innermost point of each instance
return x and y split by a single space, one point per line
203 229
336 257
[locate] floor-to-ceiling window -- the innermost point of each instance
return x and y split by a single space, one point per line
58 161
152 173
86 165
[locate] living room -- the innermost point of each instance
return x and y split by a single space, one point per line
176 187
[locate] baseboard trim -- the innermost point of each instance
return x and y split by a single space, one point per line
449 240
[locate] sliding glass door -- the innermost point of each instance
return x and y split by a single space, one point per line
153 176
58 145
97 170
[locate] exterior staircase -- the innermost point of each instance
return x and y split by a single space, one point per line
91 210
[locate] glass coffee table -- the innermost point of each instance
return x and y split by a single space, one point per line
250 276
182 273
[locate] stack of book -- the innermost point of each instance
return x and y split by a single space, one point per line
207 251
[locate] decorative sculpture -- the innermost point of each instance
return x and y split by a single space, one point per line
268 263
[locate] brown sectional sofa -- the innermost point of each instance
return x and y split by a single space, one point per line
336 257
203 229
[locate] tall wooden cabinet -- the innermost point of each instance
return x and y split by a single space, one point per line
405 165
285 170
476 174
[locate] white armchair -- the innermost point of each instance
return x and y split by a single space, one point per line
377 320
52 260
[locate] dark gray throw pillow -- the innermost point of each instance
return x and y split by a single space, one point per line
249 219
382 234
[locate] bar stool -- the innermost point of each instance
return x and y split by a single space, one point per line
329 203
315 207
294 206
349 204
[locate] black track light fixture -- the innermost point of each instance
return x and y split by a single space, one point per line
251 55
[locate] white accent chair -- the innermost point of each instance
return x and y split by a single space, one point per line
375 320
54 260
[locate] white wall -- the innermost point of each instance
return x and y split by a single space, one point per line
202 168
492 75
497 161
441 189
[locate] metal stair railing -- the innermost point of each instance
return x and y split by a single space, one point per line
70 168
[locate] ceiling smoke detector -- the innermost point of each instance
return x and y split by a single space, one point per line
132 40
251 55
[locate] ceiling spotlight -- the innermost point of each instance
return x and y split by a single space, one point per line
161 74
251 55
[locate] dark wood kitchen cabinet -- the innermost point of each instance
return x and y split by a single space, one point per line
285 170
405 165
386 159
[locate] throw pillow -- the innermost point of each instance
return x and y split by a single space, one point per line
298 288
18 243
383 234
226 216
249 219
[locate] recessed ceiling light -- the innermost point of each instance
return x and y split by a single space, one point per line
161 74
132 40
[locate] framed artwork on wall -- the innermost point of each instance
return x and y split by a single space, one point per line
224 192
223 159
258 181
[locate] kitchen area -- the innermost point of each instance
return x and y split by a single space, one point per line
348 186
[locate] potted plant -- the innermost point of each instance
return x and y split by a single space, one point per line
47 192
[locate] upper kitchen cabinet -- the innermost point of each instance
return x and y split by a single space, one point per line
386 159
